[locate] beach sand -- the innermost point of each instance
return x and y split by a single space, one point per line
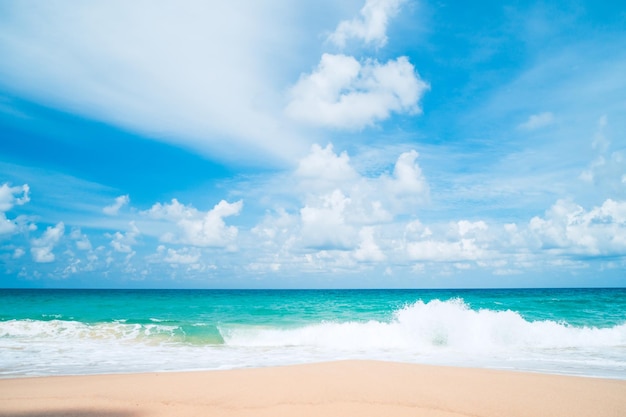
347 388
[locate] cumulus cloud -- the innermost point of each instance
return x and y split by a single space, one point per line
198 228
566 230
123 242
324 224
340 208
569 228
537 121
370 26
180 256
41 248
81 240
10 197
407 186
369 199
464 241
368 249
322 168
114 208
439 250
347 94
466 228
7 226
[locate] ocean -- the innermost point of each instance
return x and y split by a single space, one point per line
68 332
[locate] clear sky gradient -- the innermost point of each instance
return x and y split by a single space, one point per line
297 144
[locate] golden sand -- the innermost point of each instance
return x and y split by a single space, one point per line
350 388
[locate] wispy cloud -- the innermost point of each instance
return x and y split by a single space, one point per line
537 121
178 72
520 170
114 208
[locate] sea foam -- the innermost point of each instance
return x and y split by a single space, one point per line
432 326
451 333
446 332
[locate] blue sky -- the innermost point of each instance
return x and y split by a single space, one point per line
378 143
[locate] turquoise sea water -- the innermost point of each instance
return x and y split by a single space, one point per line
570 331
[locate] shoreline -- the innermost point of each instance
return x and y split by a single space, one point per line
271 366
343 388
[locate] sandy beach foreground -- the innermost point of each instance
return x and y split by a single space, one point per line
351 388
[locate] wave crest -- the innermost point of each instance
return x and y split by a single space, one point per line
435 325
67 330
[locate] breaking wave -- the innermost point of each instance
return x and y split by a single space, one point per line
425 327
438 332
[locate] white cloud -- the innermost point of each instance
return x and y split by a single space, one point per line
606 170
364 200
368 249
6 226
323 170
82 241
537 121
10 197
184 72
408 186
600 141
41 248
122 242
415 229
271 226
569 228
339 205
345 93
324 224
566 230
114 208
343 218
18 253
370 26
180 256
466 228
444 251
407 175
323 166
463 241
173 211
589 174
198 228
